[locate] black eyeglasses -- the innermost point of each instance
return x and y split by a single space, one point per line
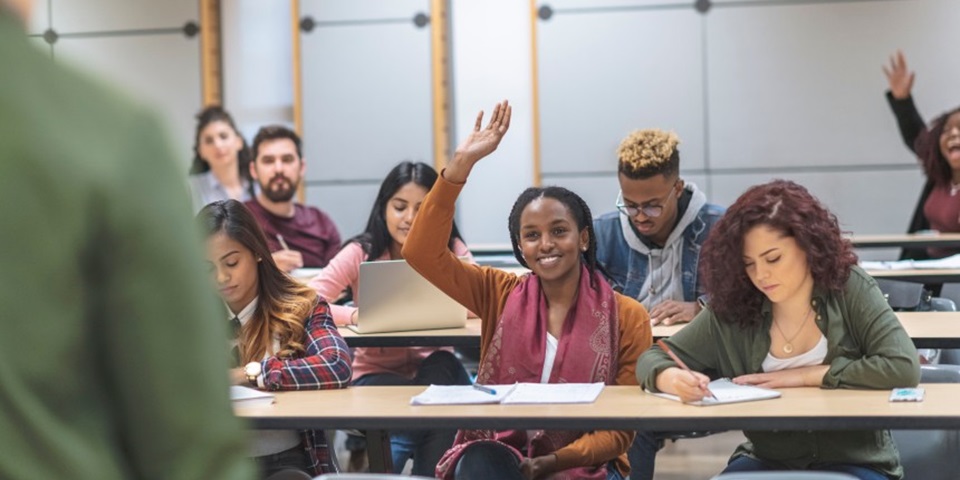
652 211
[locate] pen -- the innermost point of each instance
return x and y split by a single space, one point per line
663 346
484 389
282 242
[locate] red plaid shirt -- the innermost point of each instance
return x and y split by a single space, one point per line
326 365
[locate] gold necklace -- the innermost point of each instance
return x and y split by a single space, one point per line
788 346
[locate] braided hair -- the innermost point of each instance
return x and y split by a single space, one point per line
575 205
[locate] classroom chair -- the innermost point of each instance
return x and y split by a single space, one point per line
931 454
366 476
792 475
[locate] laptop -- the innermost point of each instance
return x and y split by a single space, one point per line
395 298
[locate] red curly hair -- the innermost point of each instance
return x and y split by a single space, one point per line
927 147
789 208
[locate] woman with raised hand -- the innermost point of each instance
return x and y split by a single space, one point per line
790 308
284 337
397 204
560 323
937 148
221 160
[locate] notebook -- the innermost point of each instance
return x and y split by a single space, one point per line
395 298
249 398
729 392
516 394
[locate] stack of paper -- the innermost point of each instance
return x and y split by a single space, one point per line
249 397
520 393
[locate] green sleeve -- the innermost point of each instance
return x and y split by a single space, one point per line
162 348
887 357
695 344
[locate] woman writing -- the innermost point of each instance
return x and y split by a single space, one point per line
284 337
790 308
561 323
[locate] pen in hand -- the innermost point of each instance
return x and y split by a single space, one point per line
283 242
663 346
484 389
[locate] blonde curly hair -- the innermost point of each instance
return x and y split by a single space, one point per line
645 153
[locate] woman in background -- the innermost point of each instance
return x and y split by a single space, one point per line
221 160
283 335
391 217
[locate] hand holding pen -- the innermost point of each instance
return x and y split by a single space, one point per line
287 259
691 386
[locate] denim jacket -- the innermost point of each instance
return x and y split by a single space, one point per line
627 268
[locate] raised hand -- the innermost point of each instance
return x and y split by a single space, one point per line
481 142
899 76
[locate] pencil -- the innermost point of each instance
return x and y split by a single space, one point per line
663 346
283 243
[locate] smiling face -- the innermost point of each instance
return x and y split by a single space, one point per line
550 240
400 211
234 270
219 144
950 141
656 194
776 265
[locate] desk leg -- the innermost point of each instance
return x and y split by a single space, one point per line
378 451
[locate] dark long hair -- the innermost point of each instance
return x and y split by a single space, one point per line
788 208
577 207
376 239
208 115
927 146
284 304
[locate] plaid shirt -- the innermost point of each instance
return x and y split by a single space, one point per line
326 365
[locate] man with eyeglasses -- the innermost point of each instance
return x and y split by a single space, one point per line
649 248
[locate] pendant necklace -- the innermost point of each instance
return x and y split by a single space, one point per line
788 346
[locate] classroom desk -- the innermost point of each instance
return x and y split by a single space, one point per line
376 409
906 240
926 329
919 275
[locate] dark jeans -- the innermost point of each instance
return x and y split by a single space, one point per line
486 460
643 454
424 446
294 458
744 463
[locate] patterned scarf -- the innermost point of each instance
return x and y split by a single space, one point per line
587 352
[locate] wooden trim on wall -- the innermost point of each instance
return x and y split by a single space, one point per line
440 81
211 58
535 95
297 83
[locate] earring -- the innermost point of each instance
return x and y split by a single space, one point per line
583 249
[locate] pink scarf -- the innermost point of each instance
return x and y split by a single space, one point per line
589 340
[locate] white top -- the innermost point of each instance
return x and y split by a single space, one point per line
548 358
265 442
814 356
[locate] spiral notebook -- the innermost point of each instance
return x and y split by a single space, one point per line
729 392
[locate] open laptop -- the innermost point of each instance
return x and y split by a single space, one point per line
395 298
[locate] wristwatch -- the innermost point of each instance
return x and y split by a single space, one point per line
253 370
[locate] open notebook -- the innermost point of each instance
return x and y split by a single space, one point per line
249 397
520 393
729 392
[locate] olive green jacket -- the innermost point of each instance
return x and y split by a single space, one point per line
110 365
867 348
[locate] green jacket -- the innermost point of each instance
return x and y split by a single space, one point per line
109 364
867 348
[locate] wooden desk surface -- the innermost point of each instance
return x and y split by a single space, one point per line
926 329
619 407
906 240
930 275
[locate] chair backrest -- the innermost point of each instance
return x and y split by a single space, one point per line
903 295
951 291
368 476
940 373
940 304
791 475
